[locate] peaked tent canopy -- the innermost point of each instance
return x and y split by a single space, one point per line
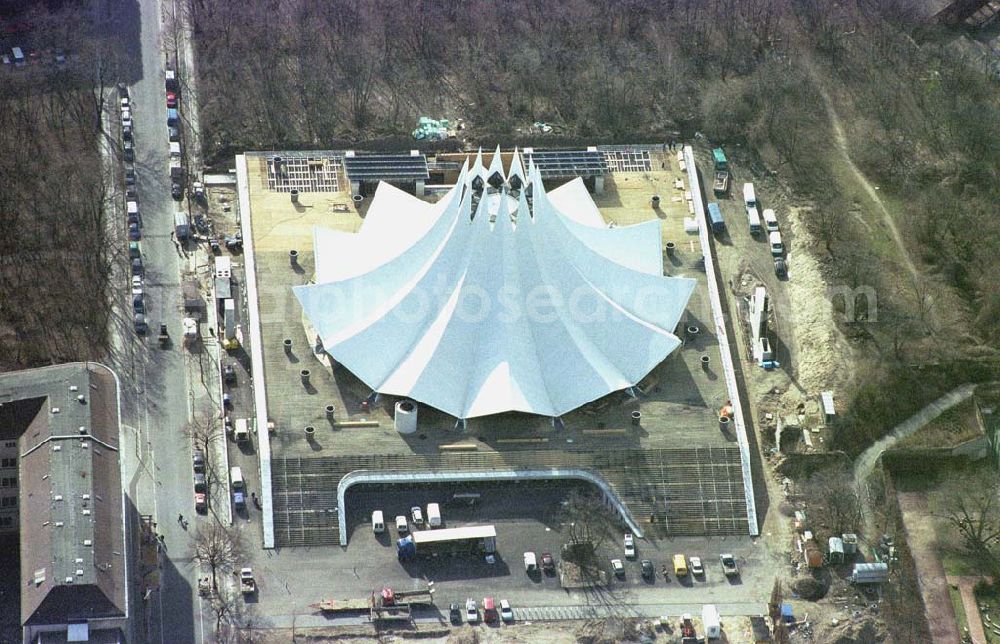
483 303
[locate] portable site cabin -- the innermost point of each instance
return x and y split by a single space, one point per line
870 573
829 411
836 550
850 543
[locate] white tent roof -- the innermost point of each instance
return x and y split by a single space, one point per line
508 309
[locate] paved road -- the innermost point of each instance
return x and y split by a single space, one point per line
155 382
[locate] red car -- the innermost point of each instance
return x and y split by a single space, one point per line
171 99
490 614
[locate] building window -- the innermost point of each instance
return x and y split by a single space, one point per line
6 522
8 462
8 502
8 482
10 444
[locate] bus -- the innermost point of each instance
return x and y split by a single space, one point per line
470 540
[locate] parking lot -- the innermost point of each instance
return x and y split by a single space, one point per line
529 517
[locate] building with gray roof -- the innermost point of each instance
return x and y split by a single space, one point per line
64 421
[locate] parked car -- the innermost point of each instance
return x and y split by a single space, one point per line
127 133
471 611
172 117
126 118
124 102
618 568
455 614
176 191
780 267
139 324
171 99
136 279
173 134
506 613
647 570
697 569
198 460
490 614
133 232
130 177
229 374
629 546
418 516
548 563
138 305
401 526
122 90
200 502
128 149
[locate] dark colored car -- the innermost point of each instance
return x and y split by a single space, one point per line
198 460
130 177
780 268
138 305
455 614
133 232
229 374
176 191
548 563
139 323
647 569
128 150
173 134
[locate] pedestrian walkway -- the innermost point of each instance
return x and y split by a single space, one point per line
920 537
966 587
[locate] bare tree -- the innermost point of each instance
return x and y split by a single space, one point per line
834 501
205 431
589 519
219 547
971 507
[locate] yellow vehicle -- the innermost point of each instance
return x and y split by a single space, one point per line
680 566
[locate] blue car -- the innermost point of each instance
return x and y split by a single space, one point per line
172 116
133 232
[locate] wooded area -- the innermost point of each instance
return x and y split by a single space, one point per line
55 252
55 272
920 122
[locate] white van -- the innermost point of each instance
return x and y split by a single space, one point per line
175 151
19 60
777 248
433 515
242 431
770 220
753 218
236 478
749 196
378 523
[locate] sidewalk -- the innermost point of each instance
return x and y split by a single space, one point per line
966 586
938 609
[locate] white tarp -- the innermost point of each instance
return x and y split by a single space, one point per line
504 307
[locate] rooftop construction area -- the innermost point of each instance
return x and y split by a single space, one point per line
661 450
